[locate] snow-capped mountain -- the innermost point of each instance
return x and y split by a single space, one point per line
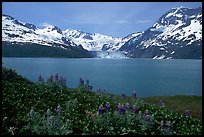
177 34
16 31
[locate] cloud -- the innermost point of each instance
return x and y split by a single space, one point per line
45 24
142 21
122 22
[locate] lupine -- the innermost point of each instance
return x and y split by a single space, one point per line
161 103
98 90
121 109
81 82
50 79
107 106
56 77
100 110
87 83
127 106
50 120
166 126
62 81
147 117
134 94
123 95
187 112
146 112
134 109
58 110
40 79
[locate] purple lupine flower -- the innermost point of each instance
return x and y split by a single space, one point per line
81 82
40 78
166 126
147 117
107 106
62 81
58 110
98 90
87 82
100 110
134 94
56 77
161 103
187 113
50 79
50 120
123 95
121 109
127 106
134 109
146 112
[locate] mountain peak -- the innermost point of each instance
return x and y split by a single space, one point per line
52 28
7 17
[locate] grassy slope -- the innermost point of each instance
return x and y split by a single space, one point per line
180 103
19 95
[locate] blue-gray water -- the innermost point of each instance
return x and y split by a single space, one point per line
146 76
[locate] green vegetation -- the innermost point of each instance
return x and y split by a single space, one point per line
180 103
36 50
50 108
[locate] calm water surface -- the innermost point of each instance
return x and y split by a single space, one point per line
147 77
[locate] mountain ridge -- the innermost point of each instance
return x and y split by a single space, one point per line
176 34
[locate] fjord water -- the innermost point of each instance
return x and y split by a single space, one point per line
147 77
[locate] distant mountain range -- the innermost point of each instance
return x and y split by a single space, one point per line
176 34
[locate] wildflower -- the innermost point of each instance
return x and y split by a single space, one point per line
127 106
56 77
48 112
100 110
50 120
32 113
123 95
50 79
134 109
81 82
87 83
62 81
134 94
147 117
146 112
187 112
166 126
58 110
121 109
107 106
161 103
40 78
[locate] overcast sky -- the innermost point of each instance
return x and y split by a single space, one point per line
117 19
